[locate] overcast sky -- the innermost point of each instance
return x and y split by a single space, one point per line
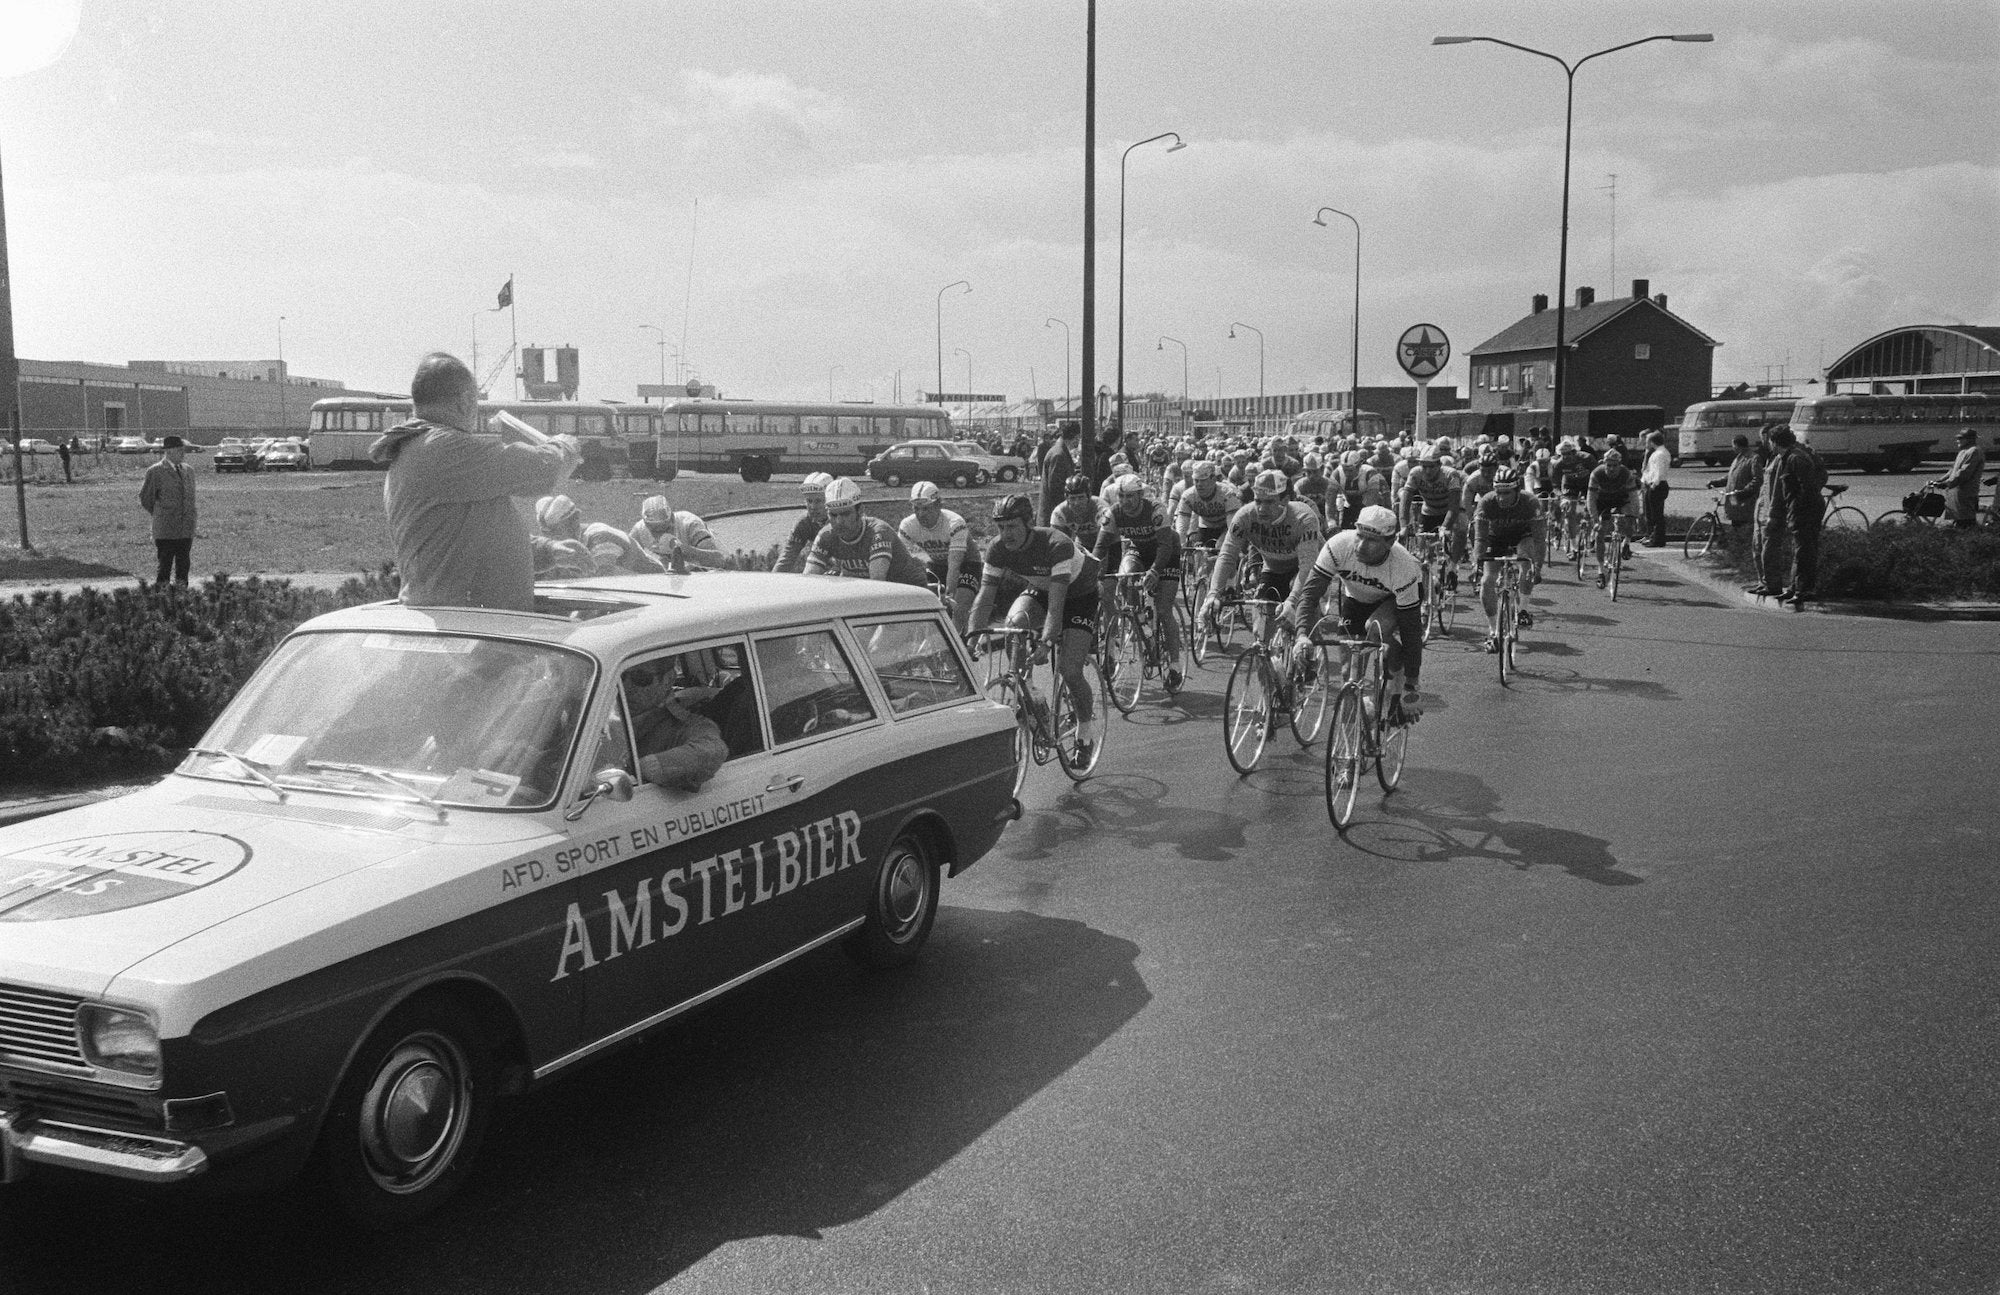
185 172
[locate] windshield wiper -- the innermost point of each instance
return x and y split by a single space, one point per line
255 768
382 775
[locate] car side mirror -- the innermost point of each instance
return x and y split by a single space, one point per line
610 783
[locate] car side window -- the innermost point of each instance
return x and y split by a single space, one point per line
929 452
916 662
809 687
901 452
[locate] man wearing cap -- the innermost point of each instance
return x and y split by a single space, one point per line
611 550
1962 482
1137 538
168 494
944 539
792 556
460 539
675 536
854 544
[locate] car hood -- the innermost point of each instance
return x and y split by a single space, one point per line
87 894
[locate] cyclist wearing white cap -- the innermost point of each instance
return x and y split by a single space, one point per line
853 544
611 550
792 557
1380 581
676 537
1139 526
1283 531
942 536
1206 506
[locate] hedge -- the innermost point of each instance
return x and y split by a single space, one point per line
1892 563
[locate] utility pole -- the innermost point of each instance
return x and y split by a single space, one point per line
1612 189
1090 225
10 381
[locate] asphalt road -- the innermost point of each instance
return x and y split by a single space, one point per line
1670 968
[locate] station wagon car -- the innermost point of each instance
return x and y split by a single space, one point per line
997 467
925 461
419 862
286 456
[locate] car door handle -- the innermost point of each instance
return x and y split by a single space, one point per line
786 782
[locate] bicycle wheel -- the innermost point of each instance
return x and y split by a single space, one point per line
1503 624
1079 744
1343 756
1701 536
1582 548
1125 662
1246 713
1448 612
1614 551
1171 663
1846 517
1312 696
1004 692
1392 746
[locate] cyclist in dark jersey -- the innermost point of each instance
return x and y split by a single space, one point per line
1043 574
852 544
1080 515
1614 498
792 557
1506 523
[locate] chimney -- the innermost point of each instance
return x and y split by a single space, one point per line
1541 303
1661 301
1641 289
1584 296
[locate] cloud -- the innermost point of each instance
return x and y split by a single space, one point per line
737 121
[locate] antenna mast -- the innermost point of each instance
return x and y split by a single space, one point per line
1612 189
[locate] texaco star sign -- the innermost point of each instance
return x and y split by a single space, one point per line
1423 351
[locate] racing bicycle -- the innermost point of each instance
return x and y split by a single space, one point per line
1507 614
1440 606
1613 565
1046 727
1135 648
1271 681
1369 725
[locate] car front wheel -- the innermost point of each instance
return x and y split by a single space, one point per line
961 479
409 1116
892 478
902 905
1008 474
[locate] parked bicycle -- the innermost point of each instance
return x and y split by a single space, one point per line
1708 529
1269 684
1369 727
1927 506
1841 516
1047 726
1135 649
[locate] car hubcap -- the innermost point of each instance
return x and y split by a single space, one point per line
413 1117
905 891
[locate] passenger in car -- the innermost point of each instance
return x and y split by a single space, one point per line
678 746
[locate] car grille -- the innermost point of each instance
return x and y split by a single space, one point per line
91 1104
37 1026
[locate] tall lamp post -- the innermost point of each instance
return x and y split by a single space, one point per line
1569 116
281 373
1260 366
1118 402
1354 378
1065 328
655 328
940 328
1184 370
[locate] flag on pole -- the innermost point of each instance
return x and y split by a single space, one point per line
506 295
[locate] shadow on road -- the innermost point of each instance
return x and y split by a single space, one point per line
813 1099
1443 816
1131 810
1560 679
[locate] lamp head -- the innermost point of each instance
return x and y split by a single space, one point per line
1180 144
1700 37
1320 221
1452 40
1232 332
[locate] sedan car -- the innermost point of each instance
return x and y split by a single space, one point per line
998 467
432 855
234 454
132 445
34 445
287 455
926 461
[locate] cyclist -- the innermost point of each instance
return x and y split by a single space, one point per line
1433 495
1284 532
792 557
1079 516
1138 525
1572 484
1353 487
675 536
851 544
1379 581
1540 472
1040 569
1506 525
1312 486
612 551
1613 494
942 536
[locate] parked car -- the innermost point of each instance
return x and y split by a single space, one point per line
132 445
419 862
233 454
925 461
33 445
287 455
998 467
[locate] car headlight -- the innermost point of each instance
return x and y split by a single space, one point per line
116 1038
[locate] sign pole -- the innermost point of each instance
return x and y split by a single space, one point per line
1423 350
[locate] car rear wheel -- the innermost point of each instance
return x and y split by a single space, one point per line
1008 474
892 478
961 479
902 905
409 1115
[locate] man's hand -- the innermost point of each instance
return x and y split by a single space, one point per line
1151 583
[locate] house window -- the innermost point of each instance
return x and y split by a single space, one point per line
1642 351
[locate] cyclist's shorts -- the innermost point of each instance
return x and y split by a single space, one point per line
1406 649
1139 557
1607 505
1079 609
970 572
1210 537
1354 614
1430 523
1275 585
1503 546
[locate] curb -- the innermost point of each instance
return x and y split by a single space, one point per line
1932 612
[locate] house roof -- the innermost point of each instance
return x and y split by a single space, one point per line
1537 332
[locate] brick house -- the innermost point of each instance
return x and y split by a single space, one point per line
1624 351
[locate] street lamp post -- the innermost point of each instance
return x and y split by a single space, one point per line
1569 107
1184 378
1065 328
940 329
1354 378
1260 361
281 373
655 328
1118 403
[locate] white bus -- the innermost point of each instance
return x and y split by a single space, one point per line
1709 428
1892 432
341 428
754 438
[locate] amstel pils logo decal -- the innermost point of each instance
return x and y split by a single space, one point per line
101 874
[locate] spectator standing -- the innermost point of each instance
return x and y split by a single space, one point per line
461 540
168 494
1741 487
1654 487
1061 461
1793 481
1962 482
62 452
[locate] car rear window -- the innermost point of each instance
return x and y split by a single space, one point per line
916 662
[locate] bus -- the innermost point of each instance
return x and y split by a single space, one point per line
1895 433
1709 428
340 429
754 438
1335 423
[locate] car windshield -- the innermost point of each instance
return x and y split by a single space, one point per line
460 720
968 448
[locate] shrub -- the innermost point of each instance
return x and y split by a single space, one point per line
1910 563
